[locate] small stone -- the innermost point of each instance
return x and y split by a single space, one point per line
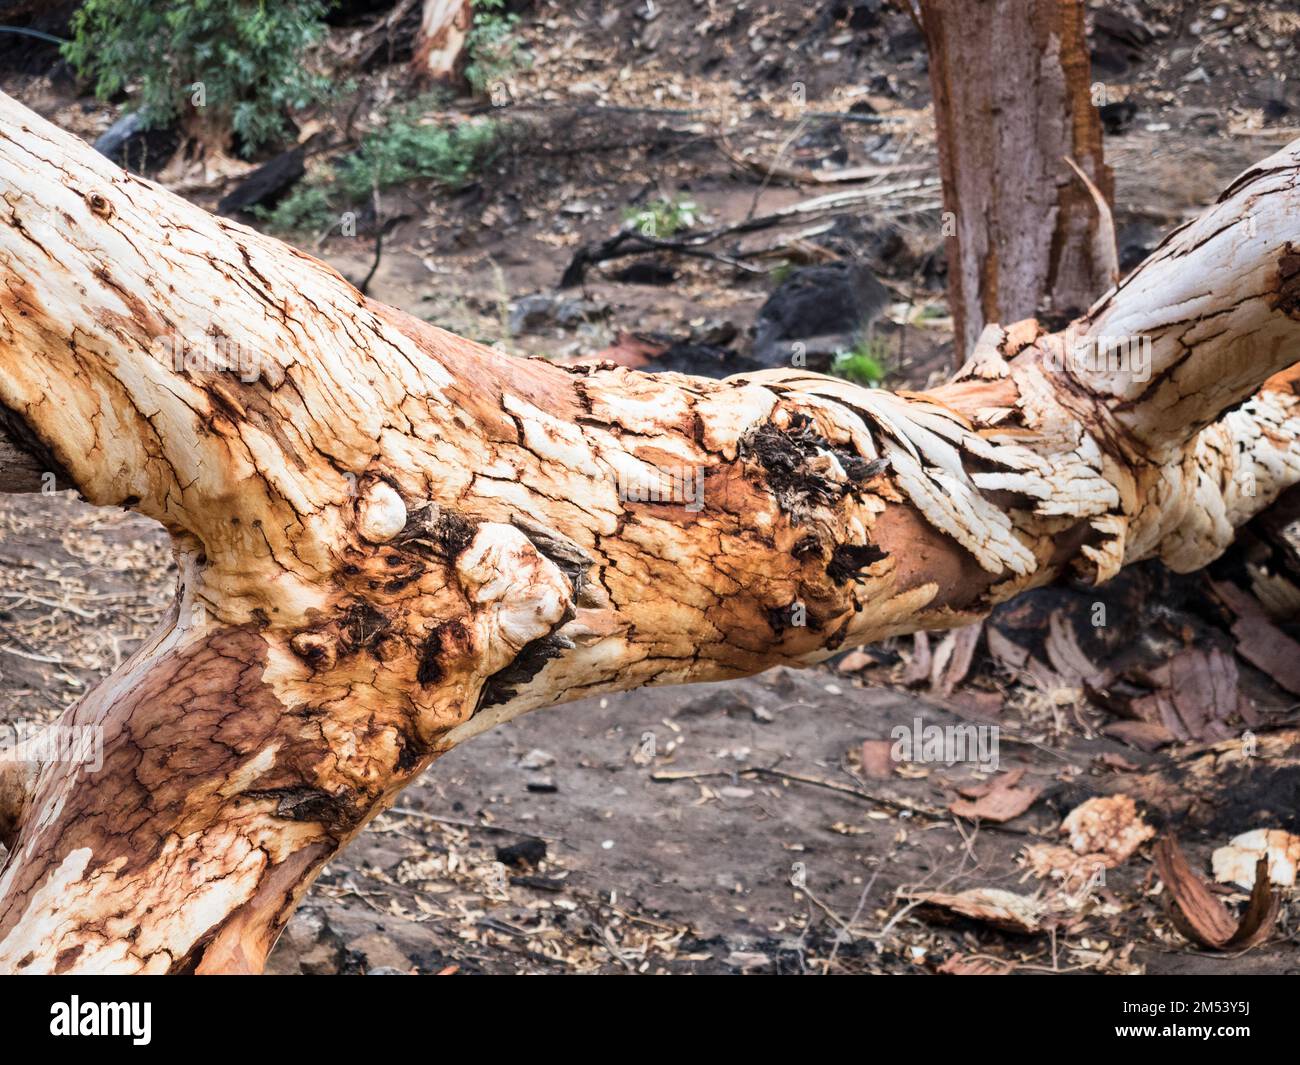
537 759
542 786
527 852
763 715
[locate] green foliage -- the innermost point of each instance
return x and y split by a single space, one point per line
409 148
662 217
781 272
863 364
306 208
405 148
494 50
239 62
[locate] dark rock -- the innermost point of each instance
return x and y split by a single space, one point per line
647 272
881 244
864 14
1275 109
704 360
881 85
130 145
830 305
856 14
822 135
1116 118
266 185
528 314
527 852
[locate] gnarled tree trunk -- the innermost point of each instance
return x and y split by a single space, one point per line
1027 232
390 539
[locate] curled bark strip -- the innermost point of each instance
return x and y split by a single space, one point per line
391 539
1199 914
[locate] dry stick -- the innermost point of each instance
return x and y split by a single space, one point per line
406 811
897 804
632 242
780 154
589 110
857 912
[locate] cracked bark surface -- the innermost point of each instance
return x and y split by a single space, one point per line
390 539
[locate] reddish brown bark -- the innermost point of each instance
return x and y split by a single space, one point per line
1012 102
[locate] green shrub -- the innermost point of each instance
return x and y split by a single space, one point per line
405 148
246 55
662 217
409 148
863 364
494 49
305 208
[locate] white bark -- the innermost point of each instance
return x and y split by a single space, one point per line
444 35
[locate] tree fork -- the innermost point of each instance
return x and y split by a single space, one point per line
390 539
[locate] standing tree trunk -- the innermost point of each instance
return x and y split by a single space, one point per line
1026 235
390 539
440 49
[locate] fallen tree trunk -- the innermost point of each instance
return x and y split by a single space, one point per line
391 539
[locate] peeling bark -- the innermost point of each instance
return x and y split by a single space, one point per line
391 539
440 48
1014 115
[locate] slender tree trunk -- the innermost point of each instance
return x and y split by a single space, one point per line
440 49
1012 104
391 539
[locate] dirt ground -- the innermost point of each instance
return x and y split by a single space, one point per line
750 826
